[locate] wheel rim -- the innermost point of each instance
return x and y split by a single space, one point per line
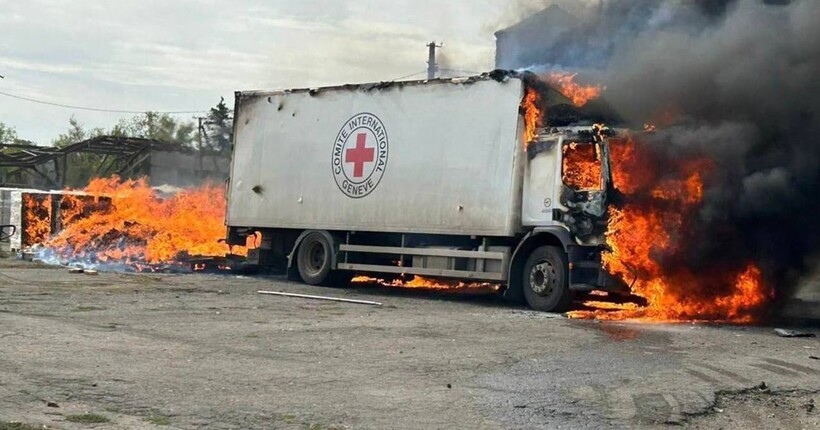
315 258
542 278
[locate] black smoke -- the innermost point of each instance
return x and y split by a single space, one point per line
737 82
555 39
744 91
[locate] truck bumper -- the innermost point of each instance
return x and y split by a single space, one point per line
602 282
587 273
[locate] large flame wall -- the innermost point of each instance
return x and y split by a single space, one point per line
127 221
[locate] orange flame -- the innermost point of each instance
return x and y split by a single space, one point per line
71 208
581 166
37 217
420 282
533 116
578 94
647 230
131 223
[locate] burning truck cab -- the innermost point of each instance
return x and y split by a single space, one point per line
571 165
581 154
455 179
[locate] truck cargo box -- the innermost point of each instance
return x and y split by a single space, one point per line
441 156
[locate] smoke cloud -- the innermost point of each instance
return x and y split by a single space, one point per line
737 82
743 90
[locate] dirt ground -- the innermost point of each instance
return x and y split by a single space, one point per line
146 351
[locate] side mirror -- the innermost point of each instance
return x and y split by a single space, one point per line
7 231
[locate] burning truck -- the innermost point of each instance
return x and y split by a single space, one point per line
452 178
505 179
527 193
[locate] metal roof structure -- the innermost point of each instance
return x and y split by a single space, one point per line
126 154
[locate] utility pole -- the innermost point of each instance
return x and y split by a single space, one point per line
201 128
432 66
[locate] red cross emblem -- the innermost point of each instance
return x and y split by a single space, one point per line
359 155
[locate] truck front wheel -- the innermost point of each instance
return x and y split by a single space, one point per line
313 259
545 280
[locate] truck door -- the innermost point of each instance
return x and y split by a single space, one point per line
541 171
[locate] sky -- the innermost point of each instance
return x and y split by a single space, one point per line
183 55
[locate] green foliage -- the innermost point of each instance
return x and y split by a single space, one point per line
218 128
160 126
8 134
82 166
75 133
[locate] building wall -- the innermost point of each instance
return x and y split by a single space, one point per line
537 40
187 169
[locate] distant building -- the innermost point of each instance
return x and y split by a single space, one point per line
539 39
186 169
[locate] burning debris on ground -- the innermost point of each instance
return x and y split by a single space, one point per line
126 225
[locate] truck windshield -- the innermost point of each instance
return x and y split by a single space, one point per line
581 167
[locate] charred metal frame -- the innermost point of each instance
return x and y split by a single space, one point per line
121 155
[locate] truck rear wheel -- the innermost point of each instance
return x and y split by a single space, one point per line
545 280
314 258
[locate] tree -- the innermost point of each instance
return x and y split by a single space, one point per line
81 166
159 126
218 128
75 133
8 135
12 175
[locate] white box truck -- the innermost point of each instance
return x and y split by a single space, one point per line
429 178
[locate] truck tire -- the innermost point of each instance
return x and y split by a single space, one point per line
545 281
314 258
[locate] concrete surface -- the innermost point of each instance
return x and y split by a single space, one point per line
205 351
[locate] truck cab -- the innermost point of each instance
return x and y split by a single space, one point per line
566 191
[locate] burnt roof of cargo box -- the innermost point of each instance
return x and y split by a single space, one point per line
561 112
495 75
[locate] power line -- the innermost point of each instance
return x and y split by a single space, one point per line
95 109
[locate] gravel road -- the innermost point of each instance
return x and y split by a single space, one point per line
205 351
